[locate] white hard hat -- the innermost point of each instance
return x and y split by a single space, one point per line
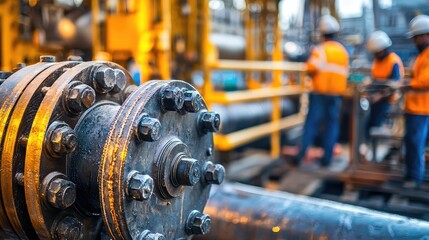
419 25
378 41
328 25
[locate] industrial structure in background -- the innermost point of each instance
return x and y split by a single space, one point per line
92 148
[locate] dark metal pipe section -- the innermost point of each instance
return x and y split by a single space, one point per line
245 212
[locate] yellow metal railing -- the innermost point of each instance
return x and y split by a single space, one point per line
274 92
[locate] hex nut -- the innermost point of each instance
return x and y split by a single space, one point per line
120 81
47 58
104 79
79 97
148 129
69 228
62 139
209 122
187 172
192 101
139 186
198 223
172 98
61 193
214 173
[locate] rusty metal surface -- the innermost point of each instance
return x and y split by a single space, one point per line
14 148
167 210
11 90
244 212
77 135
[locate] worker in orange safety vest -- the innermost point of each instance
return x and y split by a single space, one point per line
417 105
387 68
328 67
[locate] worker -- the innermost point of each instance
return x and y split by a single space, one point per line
417 105
386 67
328 67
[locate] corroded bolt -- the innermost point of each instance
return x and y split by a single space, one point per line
69 228
120 81
63 139
148 129
104 79
209 122
172 98
198 223
214 173
61 193
79 98
187 172
139 186
192 101
47 58
148 235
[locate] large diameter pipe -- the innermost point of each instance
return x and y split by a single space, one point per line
245 212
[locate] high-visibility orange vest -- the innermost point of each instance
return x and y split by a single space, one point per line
382 69
329 63
418 102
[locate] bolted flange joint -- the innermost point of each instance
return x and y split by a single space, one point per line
61 193
61 139
198 223
69 228
147 129
139 186
79 97
209 122
192 101
104 79
187 172
172 99
214 173
148 235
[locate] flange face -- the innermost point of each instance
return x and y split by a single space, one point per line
51 139
14 148
166 211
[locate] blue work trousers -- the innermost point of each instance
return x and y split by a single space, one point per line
323 109
377 115
416 130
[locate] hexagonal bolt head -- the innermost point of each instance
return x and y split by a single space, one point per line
214 173
148 235
79 98
172 98
198 223
63 139
61 193
104 79
209 122
192 102
120 81
188 172
47 58
148 129
139 186
69 228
